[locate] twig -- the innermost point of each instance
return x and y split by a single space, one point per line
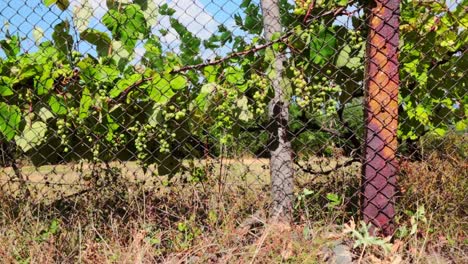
436 63
335 12
311 6
283 39
10 151
362 254
232 55
260 244
326 172
127 90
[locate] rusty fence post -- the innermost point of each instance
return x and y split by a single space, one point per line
380 166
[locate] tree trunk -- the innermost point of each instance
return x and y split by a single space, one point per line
281 163
381 117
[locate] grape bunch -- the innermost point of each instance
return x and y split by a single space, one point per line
161 133
96 151
260 85
223 119
62 128
302 6
356 39
318 94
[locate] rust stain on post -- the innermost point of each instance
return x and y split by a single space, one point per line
381 113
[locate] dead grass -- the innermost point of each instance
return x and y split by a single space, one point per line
137 217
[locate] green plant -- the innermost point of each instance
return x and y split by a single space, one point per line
363 238
50 231
416 219
302 196
334 200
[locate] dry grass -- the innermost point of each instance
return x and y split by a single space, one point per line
138 218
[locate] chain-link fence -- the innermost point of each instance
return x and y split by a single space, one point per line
186 131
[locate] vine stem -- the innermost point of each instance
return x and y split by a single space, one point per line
282 39
362 253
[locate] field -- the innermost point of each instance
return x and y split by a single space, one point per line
124 215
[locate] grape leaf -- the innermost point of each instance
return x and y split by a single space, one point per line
57 105
85 103
33 135
10 117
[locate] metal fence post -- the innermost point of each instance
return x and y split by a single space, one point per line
381 117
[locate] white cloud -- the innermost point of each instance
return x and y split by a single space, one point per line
190 13
99 6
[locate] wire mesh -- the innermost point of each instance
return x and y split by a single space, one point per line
303 110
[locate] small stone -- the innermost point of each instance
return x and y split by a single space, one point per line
342 255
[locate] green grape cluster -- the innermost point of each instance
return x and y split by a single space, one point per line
96 151
356 39
141 140
102 95
62 127
29 95
224 104
171 112
223 119
302 7
160 132
318 95
260 85
302 89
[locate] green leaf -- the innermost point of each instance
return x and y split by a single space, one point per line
178 82
150 11
121 55
81 15
85 103
57 105
26 73
38 34
210 73
100 39
341 2
106 74
33 135
11 46
234 75
245 114
461 125
160 90
5 90
344 59
10 117
44 114
5 84
124 84
156 116
45 82
203 98
49 2
63 41
322 45
343 56
112 126
62 4
440 131
165 10
127 25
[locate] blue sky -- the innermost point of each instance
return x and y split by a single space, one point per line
202 17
